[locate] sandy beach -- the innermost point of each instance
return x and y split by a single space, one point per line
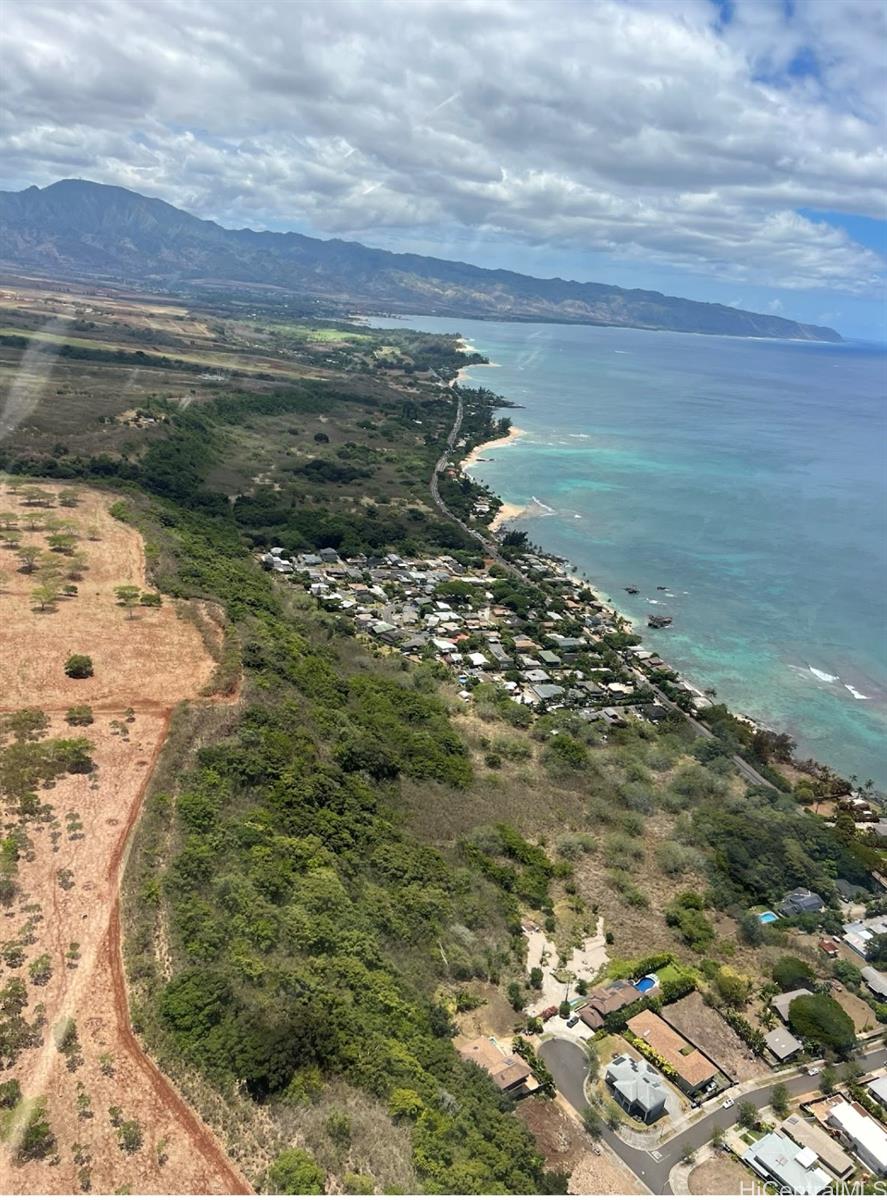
480 452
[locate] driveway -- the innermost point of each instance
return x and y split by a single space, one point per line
568 1065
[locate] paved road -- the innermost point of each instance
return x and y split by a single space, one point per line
567 1063
491 549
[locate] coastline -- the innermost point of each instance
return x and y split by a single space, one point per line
509 512
474 455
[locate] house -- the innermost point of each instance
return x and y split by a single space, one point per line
693 1071
605 999
862 1133
826 1148
509 1072
829 947
637 1088
782 1044
858 934
875 981
799 902
777 1158
782 1002
546 692
878 1088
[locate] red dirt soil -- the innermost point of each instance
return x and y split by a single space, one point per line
70 877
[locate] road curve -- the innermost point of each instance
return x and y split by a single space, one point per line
567 1062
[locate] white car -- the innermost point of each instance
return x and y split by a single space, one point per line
728 1103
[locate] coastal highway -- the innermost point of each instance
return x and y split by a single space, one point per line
746 770
490 548
567 1062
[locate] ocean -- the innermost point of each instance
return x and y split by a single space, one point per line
746 477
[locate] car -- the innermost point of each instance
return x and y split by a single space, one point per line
813 1070
728 1103
572 1021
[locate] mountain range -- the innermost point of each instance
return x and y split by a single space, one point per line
81 229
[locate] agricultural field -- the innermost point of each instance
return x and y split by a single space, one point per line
95 1112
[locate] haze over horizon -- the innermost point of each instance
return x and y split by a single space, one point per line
731 152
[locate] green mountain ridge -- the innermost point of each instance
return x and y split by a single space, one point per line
85 229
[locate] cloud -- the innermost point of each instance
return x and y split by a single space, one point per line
775 306
644 130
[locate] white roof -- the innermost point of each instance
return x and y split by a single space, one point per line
863 1131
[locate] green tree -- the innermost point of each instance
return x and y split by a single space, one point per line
129 1136
45 595
828 1080
592 1121
536 978
25 725
747 1114
792 973
29 557
79 666
295 1173
779 1100
127 597
37 1140
877 950
821 1020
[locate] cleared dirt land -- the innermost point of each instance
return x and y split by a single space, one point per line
114 1121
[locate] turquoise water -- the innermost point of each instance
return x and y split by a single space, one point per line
748 477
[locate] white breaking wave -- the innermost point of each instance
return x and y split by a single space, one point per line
854 693
823 675
547 507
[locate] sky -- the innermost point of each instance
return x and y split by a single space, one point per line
726 150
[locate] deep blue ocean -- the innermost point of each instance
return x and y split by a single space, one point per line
748 477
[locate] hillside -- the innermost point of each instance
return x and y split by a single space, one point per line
84 229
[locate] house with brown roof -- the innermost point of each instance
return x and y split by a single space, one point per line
693 1071
509 1072
605 999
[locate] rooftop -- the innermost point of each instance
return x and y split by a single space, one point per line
692 1066
777 1157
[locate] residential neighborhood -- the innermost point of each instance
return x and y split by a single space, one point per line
538 639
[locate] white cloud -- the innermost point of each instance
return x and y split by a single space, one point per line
641 130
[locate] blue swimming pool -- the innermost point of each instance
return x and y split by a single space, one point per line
647 984
767 918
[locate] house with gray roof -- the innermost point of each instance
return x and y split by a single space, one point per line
782 1044
792 1167
801 901
782 1003
637 1088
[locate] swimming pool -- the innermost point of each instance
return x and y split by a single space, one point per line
767 918
647 984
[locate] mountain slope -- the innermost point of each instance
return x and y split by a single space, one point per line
82 228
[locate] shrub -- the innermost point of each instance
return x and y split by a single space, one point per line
79 714
358 1185
129 1136
79 666
295 1173
37 1139
10 1093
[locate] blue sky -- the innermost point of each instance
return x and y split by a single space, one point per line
725 151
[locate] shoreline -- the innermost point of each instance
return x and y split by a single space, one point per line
509 512
474 455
